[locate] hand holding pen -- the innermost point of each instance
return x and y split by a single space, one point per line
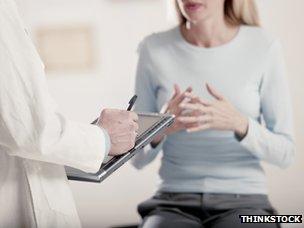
121 126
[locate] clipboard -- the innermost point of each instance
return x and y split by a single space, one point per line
150 125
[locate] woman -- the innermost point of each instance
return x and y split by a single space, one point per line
210 170
36 141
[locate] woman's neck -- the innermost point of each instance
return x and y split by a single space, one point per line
209 33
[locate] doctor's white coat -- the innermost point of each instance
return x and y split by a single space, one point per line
35 139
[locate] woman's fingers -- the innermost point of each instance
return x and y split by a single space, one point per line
199 128
203 119
190 106
193 98
197 99
214 92
204 102
178 99
189 89
177 91
196 107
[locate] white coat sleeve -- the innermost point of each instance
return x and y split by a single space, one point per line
30 125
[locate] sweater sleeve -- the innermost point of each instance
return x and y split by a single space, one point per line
145 88
274 142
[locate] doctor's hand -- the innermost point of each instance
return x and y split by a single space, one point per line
173 107
122 128
218 115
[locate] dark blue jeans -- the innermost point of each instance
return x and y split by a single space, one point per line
197 210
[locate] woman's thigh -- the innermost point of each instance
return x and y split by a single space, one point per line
231 219
168 218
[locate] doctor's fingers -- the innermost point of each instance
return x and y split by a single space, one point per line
125 127
120 115
128 115
116 115
133 116
124 138
132 126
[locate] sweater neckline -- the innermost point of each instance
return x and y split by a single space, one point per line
209 49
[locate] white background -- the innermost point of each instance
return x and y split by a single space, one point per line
119 25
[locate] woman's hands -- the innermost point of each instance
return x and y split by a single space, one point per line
196 114
173 107
219 115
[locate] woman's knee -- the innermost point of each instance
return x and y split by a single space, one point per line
170 219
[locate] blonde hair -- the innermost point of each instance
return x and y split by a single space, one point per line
237 12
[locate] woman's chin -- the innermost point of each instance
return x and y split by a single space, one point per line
194 18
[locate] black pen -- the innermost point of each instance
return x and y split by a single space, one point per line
131 104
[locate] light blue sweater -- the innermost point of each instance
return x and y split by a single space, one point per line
250 72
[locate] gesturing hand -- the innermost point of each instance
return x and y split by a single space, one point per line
173 107
219 115
122 128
